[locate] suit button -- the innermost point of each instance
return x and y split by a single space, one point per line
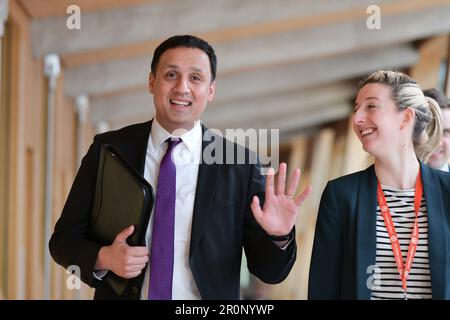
135 290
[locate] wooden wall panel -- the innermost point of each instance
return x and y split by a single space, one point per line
447 71
4 137
65 167
316 173
64 163
25 243
297 159
16 242
432 52
34 178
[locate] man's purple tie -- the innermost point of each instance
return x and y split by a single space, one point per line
161 256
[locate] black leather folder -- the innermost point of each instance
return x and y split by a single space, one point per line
122 198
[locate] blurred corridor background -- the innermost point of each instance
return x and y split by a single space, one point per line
73 68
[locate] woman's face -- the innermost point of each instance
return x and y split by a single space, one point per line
376 120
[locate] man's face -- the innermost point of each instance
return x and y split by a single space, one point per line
442 154
181 87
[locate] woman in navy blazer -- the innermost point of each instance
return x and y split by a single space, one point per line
400 128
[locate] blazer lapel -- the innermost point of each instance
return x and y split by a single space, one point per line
437 238
137 151
366 215
204 195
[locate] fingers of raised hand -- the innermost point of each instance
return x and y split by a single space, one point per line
281 179
299 200
256 208
292 188
270 182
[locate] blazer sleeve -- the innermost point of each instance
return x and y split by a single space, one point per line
264 258
69 244
326 264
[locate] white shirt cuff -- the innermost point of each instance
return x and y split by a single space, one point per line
282 245
99 274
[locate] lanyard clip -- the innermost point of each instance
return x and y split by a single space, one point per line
404 294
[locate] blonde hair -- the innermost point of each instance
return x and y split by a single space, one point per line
406 93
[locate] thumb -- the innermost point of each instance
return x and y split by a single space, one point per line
256 209
124 234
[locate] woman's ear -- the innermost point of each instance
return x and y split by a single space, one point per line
408 118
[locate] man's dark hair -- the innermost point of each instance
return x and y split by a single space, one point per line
442 100
186 41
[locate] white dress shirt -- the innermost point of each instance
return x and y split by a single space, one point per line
446 167
187 155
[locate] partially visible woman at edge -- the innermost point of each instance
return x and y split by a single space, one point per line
353 255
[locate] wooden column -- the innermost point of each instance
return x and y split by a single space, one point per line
432 52
81 108
297 159
447 72
315 172
65 168
4 130
320 168
25 160
337 156
16 206
34 180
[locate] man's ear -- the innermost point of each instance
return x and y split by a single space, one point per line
151 82
211 90
408 117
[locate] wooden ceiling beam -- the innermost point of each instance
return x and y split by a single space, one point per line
256 53
40 9
248 89
103 37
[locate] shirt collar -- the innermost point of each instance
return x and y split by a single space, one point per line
446 167
190 138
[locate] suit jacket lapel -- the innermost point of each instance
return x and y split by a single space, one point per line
205 191
137 151
437 238
366 214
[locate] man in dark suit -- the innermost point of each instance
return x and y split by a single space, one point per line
440 158
217 207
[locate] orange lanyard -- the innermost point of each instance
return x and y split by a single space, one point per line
402 269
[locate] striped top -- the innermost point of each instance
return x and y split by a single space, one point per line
389 286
